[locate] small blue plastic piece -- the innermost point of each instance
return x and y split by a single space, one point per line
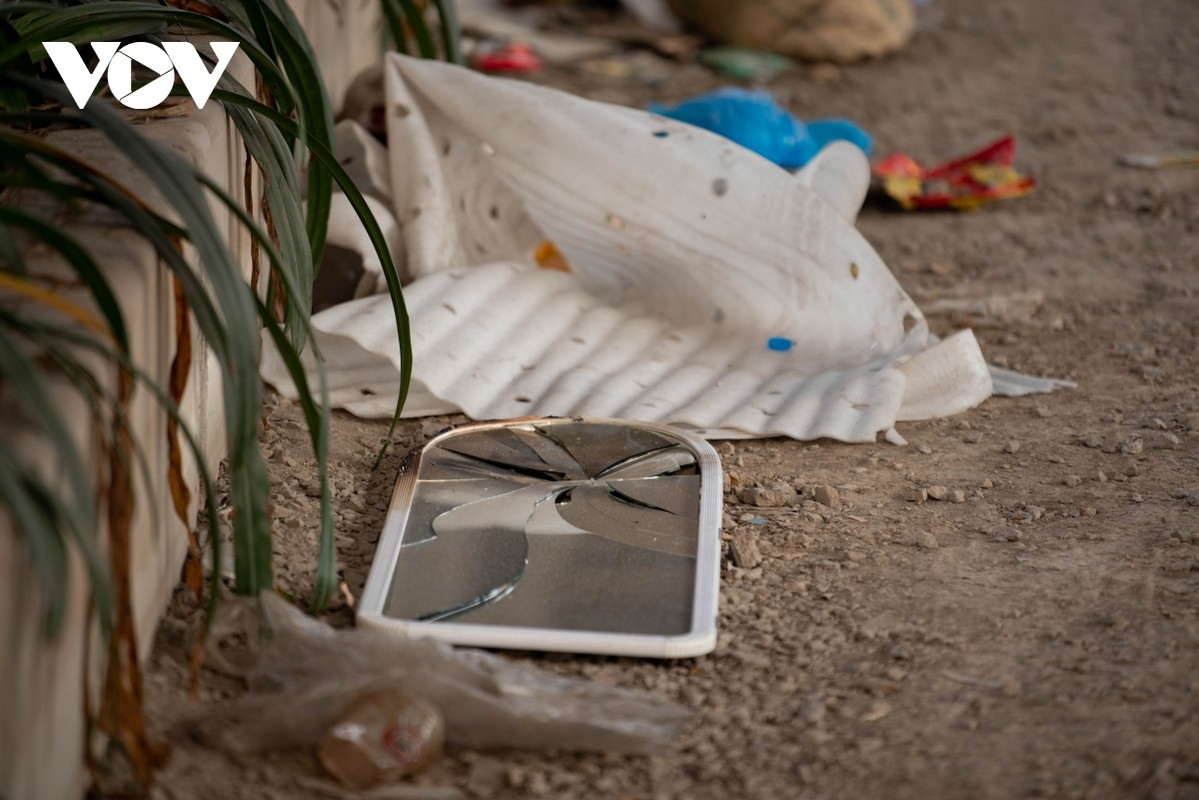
756 122
780 344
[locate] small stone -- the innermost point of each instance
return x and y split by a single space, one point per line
988 483
1160 424
1089 511
1072 481
1170 441
487 776
1012 447
972 437
927 541
1131 471
1094 441
1193 498
925 449
901 652
825 73
1133 446
727 449
938 492
1041 411
538 785
813 712
826 495
1136 497
1101 476
768 498
916 495
958 496
744 549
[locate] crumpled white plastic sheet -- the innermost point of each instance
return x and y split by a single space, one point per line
687 255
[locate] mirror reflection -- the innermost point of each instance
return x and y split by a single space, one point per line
562 524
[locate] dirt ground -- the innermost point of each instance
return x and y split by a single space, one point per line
1039 638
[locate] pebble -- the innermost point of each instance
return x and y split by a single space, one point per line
1101 476
972 437
768 498
1193 498
1094 441
813 712
1012 447
1170 441
988 483
921 539
825 73
938 492
916 495
826 495
487 776
1133 446
1072 481
1089 511
1136 497
1160 424
1131 471
744 549
958 496
928 450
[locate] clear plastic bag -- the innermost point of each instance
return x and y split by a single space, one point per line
304 675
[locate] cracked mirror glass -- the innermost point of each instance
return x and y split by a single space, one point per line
559 524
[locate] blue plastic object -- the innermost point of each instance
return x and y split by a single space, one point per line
755 121
780 344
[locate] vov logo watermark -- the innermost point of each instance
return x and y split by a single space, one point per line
164 60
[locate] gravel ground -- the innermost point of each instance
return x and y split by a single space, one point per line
1007 607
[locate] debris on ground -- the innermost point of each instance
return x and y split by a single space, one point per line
572 535
505 58
486 20
757 122
307 678
383 737
1166 161
741 64
839 31
676 286
964 183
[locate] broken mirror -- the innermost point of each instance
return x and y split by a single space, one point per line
597 536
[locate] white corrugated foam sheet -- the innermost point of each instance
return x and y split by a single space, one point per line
687 254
